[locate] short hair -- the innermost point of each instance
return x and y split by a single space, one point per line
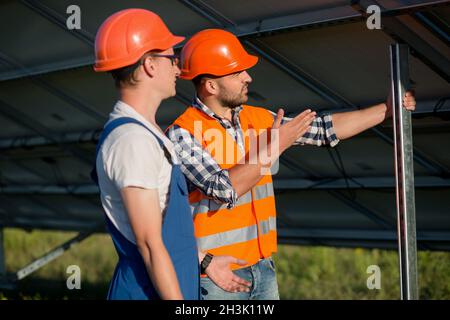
126 76
197 80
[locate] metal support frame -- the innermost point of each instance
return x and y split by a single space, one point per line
57 92
56 18
81 34
333 97
355 183
304 20
51 214
433 23
288 23
13 221
255 31
29 222
437 62
47 68
48 221
76 191
280 184
217 18
351 234
282 63
76 102
400 32
10 281
404 174
24 120
308 80
51 255
36 141
59 20
317 87
352 203
424 108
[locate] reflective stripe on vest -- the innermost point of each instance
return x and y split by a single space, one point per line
260 192
236 235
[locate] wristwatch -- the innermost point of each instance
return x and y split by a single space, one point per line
205 262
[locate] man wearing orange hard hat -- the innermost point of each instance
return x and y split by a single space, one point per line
233 200
142 189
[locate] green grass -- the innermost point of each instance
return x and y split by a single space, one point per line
95 256
330 273
303 272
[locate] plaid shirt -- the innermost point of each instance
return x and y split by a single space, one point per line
202 170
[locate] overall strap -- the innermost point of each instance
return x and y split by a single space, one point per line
113 125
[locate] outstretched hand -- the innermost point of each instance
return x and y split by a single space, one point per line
294 129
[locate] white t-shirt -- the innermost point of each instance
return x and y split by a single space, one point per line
132 156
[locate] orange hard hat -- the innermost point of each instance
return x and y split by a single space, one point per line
214 51
127 35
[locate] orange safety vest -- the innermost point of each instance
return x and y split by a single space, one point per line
248 230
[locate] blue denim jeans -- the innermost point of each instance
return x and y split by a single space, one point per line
263 284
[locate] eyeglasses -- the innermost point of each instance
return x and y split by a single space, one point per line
174 59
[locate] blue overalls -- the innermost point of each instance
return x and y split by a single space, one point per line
131 279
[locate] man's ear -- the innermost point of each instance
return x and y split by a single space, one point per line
149 67
211 86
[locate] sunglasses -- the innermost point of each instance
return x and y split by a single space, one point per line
174 58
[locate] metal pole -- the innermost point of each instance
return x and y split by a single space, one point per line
404 174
